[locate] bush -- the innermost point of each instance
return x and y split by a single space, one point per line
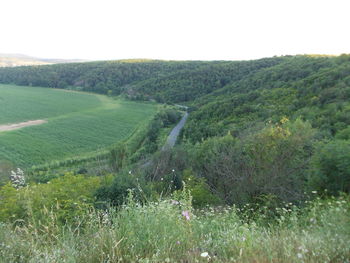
331 167
273 160
117 191
68 197
200 191
343 134
165 170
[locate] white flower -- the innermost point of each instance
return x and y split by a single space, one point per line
204 254
17 178
300 255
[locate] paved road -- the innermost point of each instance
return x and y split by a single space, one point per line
175 133
172 136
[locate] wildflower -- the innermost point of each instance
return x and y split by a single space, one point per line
178 242
173 170
129 172
17 178
299 255
186 214
204 254
314 192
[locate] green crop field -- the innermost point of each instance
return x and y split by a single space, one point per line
77 123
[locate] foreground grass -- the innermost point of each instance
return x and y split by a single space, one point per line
160 232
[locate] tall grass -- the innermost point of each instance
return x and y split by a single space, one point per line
171 231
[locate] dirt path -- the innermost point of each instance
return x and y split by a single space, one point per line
10 127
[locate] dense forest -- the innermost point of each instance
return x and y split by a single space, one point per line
271 133
110 77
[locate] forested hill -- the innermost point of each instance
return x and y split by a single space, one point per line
226 96
316 89
165 81
107 77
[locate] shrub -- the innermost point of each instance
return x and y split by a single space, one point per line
273 160
68 197
200 190
117 191
343 134
331 167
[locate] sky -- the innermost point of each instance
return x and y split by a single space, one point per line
174 29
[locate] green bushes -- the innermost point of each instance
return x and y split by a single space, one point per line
116 192
67 198
331 167
273 160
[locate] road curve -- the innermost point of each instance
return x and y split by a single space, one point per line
175 133
171 140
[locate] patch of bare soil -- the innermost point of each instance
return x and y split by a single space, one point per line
10 127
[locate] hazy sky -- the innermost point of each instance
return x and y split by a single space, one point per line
176 29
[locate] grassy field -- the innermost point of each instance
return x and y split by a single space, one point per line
78 123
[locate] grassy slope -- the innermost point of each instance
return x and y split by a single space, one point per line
24 103
157 232
77 123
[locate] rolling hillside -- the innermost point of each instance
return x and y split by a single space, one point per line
224 95
261 173
77 123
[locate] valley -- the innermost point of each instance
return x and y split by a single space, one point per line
176 161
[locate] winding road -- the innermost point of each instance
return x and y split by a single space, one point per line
175 133
171 140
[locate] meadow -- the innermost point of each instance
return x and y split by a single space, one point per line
171 230
77 123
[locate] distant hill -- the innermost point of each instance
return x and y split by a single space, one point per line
224 96
14 60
